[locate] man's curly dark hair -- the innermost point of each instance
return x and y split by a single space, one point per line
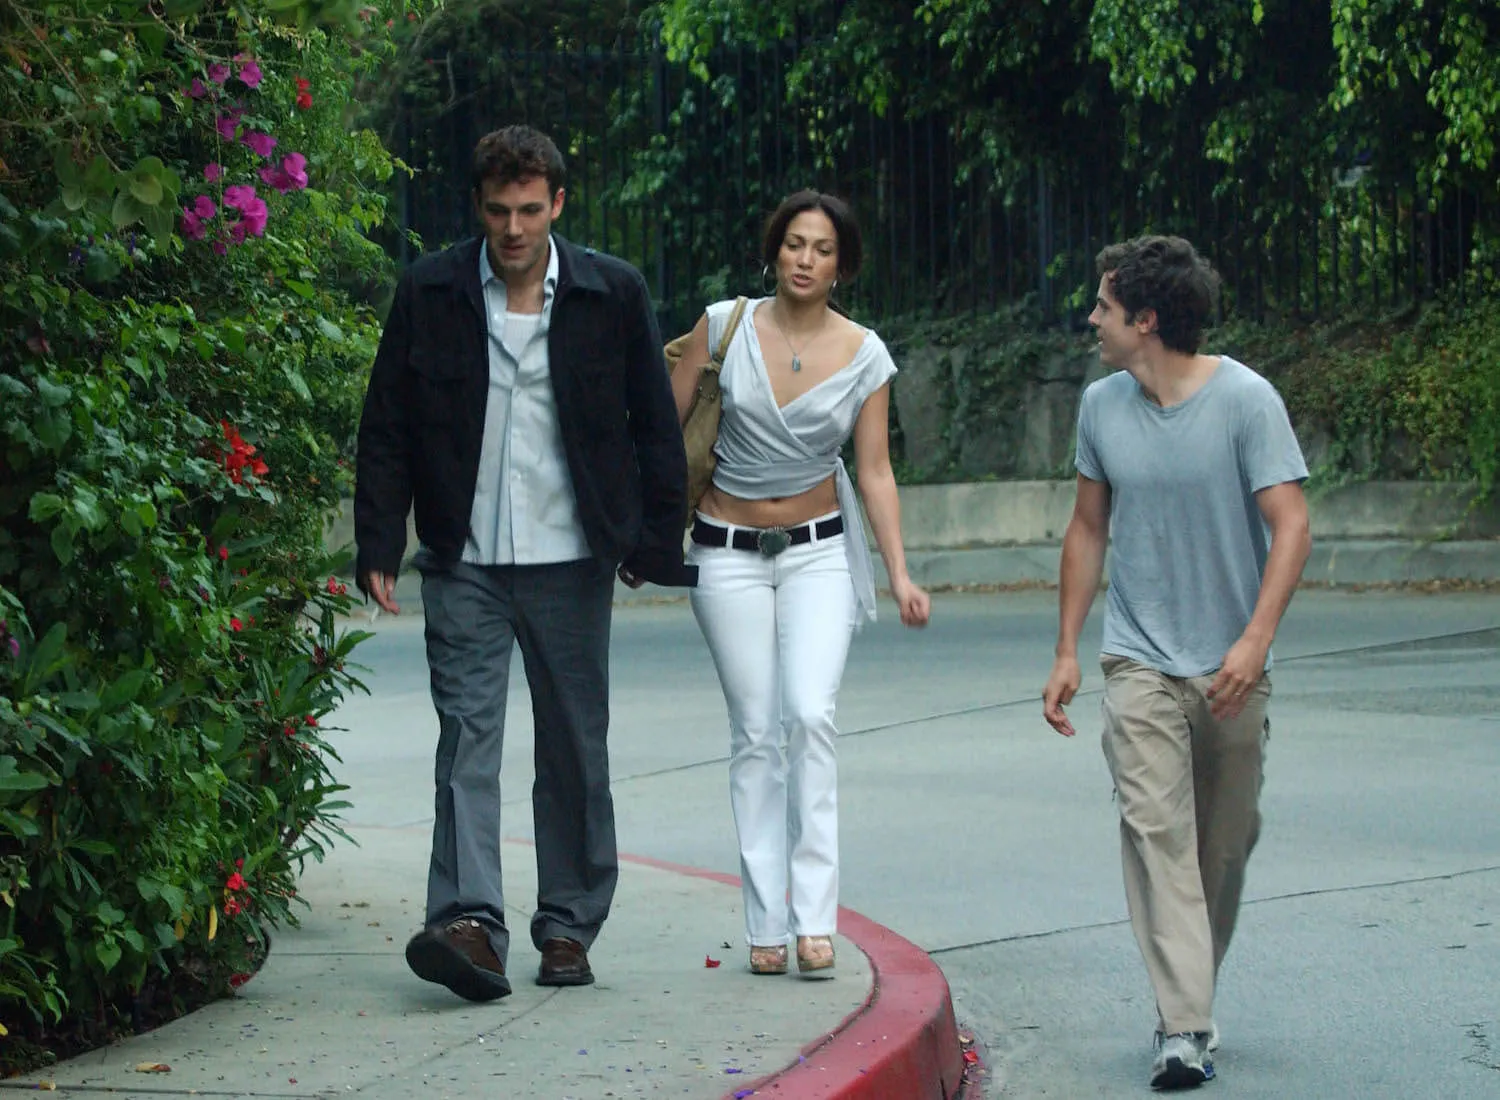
1164 274
518 153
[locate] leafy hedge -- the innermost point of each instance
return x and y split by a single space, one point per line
1402 398
183 347
1409 397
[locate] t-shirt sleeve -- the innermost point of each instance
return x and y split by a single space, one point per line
1085 457
1269 451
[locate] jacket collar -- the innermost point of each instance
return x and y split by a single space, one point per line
458 267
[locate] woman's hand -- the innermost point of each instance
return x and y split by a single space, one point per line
914 603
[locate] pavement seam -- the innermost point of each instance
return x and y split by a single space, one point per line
1354 889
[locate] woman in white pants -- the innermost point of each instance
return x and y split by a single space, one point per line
784 572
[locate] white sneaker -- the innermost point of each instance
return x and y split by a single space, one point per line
1211 1045
1181 1062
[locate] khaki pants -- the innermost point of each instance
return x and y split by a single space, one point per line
1188 787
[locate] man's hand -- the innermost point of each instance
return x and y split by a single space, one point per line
1243 666
382 589
1062 685
630 578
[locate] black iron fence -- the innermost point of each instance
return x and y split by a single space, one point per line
676 175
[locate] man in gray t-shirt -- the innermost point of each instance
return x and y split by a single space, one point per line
1188 467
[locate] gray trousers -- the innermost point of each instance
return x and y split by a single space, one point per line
560 616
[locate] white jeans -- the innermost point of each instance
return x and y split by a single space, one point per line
779 631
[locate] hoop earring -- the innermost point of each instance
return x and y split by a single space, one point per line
768 291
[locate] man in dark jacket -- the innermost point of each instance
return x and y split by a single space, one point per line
519 402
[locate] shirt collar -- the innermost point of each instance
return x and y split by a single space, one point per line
549 281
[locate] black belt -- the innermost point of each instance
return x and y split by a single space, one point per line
769 541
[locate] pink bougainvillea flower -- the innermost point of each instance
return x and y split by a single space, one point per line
220 248
218 72
253 217
197 89
249 74
213 172
260 144
295 166
237 233
227 124
14 645
192 225
204 207
237 195
289 175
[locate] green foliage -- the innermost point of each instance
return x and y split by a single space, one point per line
1411 398
180 396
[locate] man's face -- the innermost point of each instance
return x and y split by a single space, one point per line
1119 340
517 218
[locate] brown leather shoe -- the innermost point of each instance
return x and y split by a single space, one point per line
459 956
564 962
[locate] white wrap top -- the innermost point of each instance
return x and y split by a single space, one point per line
765 450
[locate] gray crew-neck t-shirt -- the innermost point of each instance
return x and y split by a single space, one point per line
1188 545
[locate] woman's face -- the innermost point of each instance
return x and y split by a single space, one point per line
808 264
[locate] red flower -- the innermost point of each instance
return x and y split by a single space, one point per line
223 553
234 882
231 907
240 863
235 625
237 980
240 456
311 721
287 731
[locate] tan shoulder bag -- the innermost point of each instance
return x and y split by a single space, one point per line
700 430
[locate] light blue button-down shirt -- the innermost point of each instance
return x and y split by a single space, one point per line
524 511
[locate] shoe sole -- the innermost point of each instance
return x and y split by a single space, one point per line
1177 1074
816 973
571 979
433 960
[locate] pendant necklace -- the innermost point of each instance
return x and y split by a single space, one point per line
796 355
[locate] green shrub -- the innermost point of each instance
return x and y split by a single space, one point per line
1413 397
181 366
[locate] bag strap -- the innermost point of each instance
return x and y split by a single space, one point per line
729 330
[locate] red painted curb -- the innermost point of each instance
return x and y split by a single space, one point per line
901 1044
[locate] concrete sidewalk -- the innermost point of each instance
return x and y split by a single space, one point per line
335 1012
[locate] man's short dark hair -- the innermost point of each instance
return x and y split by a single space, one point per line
516 153
845 228
1164 274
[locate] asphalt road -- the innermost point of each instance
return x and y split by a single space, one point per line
1368 955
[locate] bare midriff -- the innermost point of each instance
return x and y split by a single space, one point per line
791 511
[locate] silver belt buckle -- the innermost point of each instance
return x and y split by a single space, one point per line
771 541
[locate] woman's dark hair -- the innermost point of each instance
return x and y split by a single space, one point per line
845 228
518 153
1167 275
